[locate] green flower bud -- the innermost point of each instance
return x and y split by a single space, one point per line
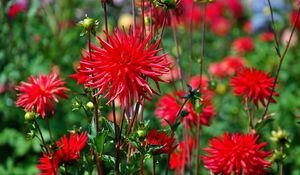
29 116
90 105
212 85
141 133
87 23
281 136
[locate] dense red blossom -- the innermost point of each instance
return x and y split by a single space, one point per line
48 166
253 85
180 158
266 36
293 19
228 66
161 139
238 154
40 93
168 106
122 66
221 26
68 150
16 8
243 45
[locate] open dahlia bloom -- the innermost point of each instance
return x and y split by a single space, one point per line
68 150
161 139
253 85
40 93
238 154
243 45
121 67
169 105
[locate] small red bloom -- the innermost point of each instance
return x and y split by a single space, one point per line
48 166
266 36
168 107
253 85
179 159
40 93
228 66
161 139
68 150
173 73
221 26
122 67
243 45
293 19
16 8
234 7
236 154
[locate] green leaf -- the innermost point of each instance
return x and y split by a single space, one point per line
100 139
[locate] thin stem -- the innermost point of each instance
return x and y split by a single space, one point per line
96 117
66 168
105 17
133 14
280 164
137 107
191 41
153 165
251 117
44 145
282 56
200 85
49 129
116 139
142 164
277 46
168 164
143 19
177 52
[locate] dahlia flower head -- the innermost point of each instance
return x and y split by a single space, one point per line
238 154
155 138
41 93
168 106
122 66
68 151
254 85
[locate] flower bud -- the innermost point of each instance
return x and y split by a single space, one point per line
141 133
87 23
212 85
281 136
221 88
90 105
29 116
167 4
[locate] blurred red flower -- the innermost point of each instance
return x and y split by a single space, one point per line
228 66
266 36
243 45
293 19
161 139
168 106
122 67
40 93
16 8
236 154
68 150
253 85
179 159
173 73
221 26
235 7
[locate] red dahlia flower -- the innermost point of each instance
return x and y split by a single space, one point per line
253 85
266 36
238 154
16 8
168 107
122 67
68 150
161 139
243 45
40 93
221 26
